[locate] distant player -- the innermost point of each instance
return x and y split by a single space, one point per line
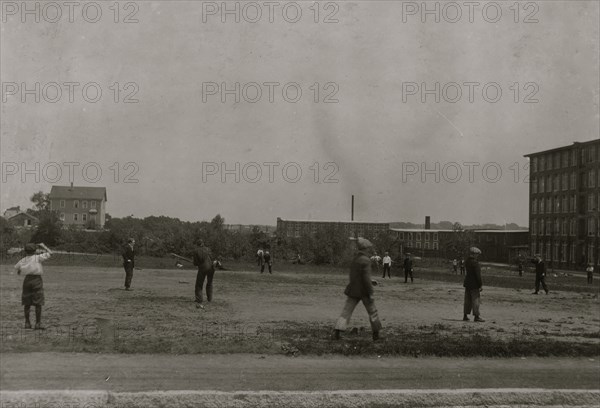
520 266
590 273
359 289
462 266
128 262
33 286
260 257
375 261
540 274
298 260
455 266
387 265
206 271
218 265
408 268
267 261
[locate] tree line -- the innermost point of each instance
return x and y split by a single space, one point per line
158 236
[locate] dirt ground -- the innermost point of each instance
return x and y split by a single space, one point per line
289 312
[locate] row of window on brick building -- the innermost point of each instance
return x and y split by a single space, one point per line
564 204
563 251
564 159
564 227
558 182
416 236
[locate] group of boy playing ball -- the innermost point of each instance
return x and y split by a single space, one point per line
359 289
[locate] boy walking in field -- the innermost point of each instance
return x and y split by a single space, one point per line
359 289
590 273
33 286
540 274
473 286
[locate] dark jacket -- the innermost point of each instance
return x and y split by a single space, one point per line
360 285
408 264
267 258
540 269
128 254
473 274
203 260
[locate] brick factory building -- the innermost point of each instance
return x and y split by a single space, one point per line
564 202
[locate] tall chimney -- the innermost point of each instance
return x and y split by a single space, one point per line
352 213
71 185
427 222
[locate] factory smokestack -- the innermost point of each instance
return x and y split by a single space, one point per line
427 222
352 210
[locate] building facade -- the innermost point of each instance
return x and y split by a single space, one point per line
496 245
298 228
564 204
84 207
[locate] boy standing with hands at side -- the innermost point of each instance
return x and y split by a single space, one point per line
33 286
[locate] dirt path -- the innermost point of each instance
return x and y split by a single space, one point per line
131 373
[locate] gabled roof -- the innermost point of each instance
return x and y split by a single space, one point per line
25 214
78 193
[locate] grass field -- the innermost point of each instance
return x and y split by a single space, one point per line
292 312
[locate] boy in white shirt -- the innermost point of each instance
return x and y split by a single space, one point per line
387 265
33 286
590 273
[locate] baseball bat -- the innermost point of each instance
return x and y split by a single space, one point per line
183 258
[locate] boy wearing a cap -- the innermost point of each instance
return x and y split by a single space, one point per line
473 286
359 289
33 286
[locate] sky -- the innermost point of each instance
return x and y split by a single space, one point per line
162 141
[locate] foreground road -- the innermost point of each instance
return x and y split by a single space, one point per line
236 372
110 381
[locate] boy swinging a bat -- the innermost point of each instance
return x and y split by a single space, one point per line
33 286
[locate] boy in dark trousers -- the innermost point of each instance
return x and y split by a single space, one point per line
128 262
206 271
473 286
33 286
268 262
540 274
408 268
360 289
